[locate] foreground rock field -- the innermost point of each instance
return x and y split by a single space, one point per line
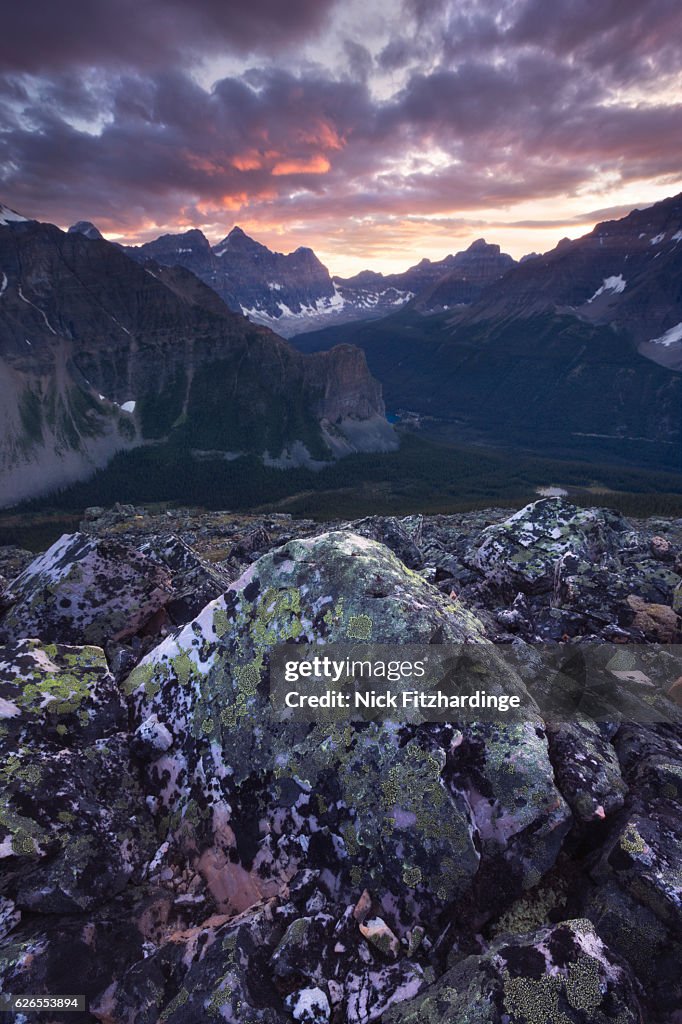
173 851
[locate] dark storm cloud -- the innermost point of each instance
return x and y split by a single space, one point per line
359 60
620 34
48 34
167 139
617 37
517 100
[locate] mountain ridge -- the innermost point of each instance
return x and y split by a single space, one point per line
294 292
100 354
577 351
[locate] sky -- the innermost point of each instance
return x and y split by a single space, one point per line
377 132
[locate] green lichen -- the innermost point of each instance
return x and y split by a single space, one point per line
334 616
175 1004
222 995
183 667
248 677
631 841
532 911
221 622
27 835
142 675
534 1000
412 876
583 984
359 627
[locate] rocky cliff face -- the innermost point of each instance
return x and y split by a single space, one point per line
431 285
271 288
467 274
99 353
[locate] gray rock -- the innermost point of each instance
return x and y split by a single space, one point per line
86 590
586 768
564 973
392 817
73 825
525 548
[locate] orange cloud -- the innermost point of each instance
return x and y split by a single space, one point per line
225 202
314 165
204 164
250 161
324 135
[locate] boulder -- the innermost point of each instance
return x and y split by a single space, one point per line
522 552
48 953
636 595
86 590
564 973
215 970
195 581
53 694
254 799
586 768
638 936
73 825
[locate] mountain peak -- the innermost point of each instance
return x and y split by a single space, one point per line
195 236
8 216
87 228
237 241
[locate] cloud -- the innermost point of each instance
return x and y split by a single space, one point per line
590 217
459 110
49 34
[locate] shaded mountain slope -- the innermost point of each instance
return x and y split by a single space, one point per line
559 355
98 353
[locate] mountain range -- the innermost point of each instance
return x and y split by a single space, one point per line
294 293
100 354
576 352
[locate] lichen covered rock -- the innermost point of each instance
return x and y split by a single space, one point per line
257 798
73 825
525 548
587 768
564 974
198 858
85 590
53 693
46 953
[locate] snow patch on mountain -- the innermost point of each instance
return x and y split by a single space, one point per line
325 304
8 216
671 336
615 284
39 310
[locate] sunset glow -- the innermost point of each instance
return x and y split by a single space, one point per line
376 138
